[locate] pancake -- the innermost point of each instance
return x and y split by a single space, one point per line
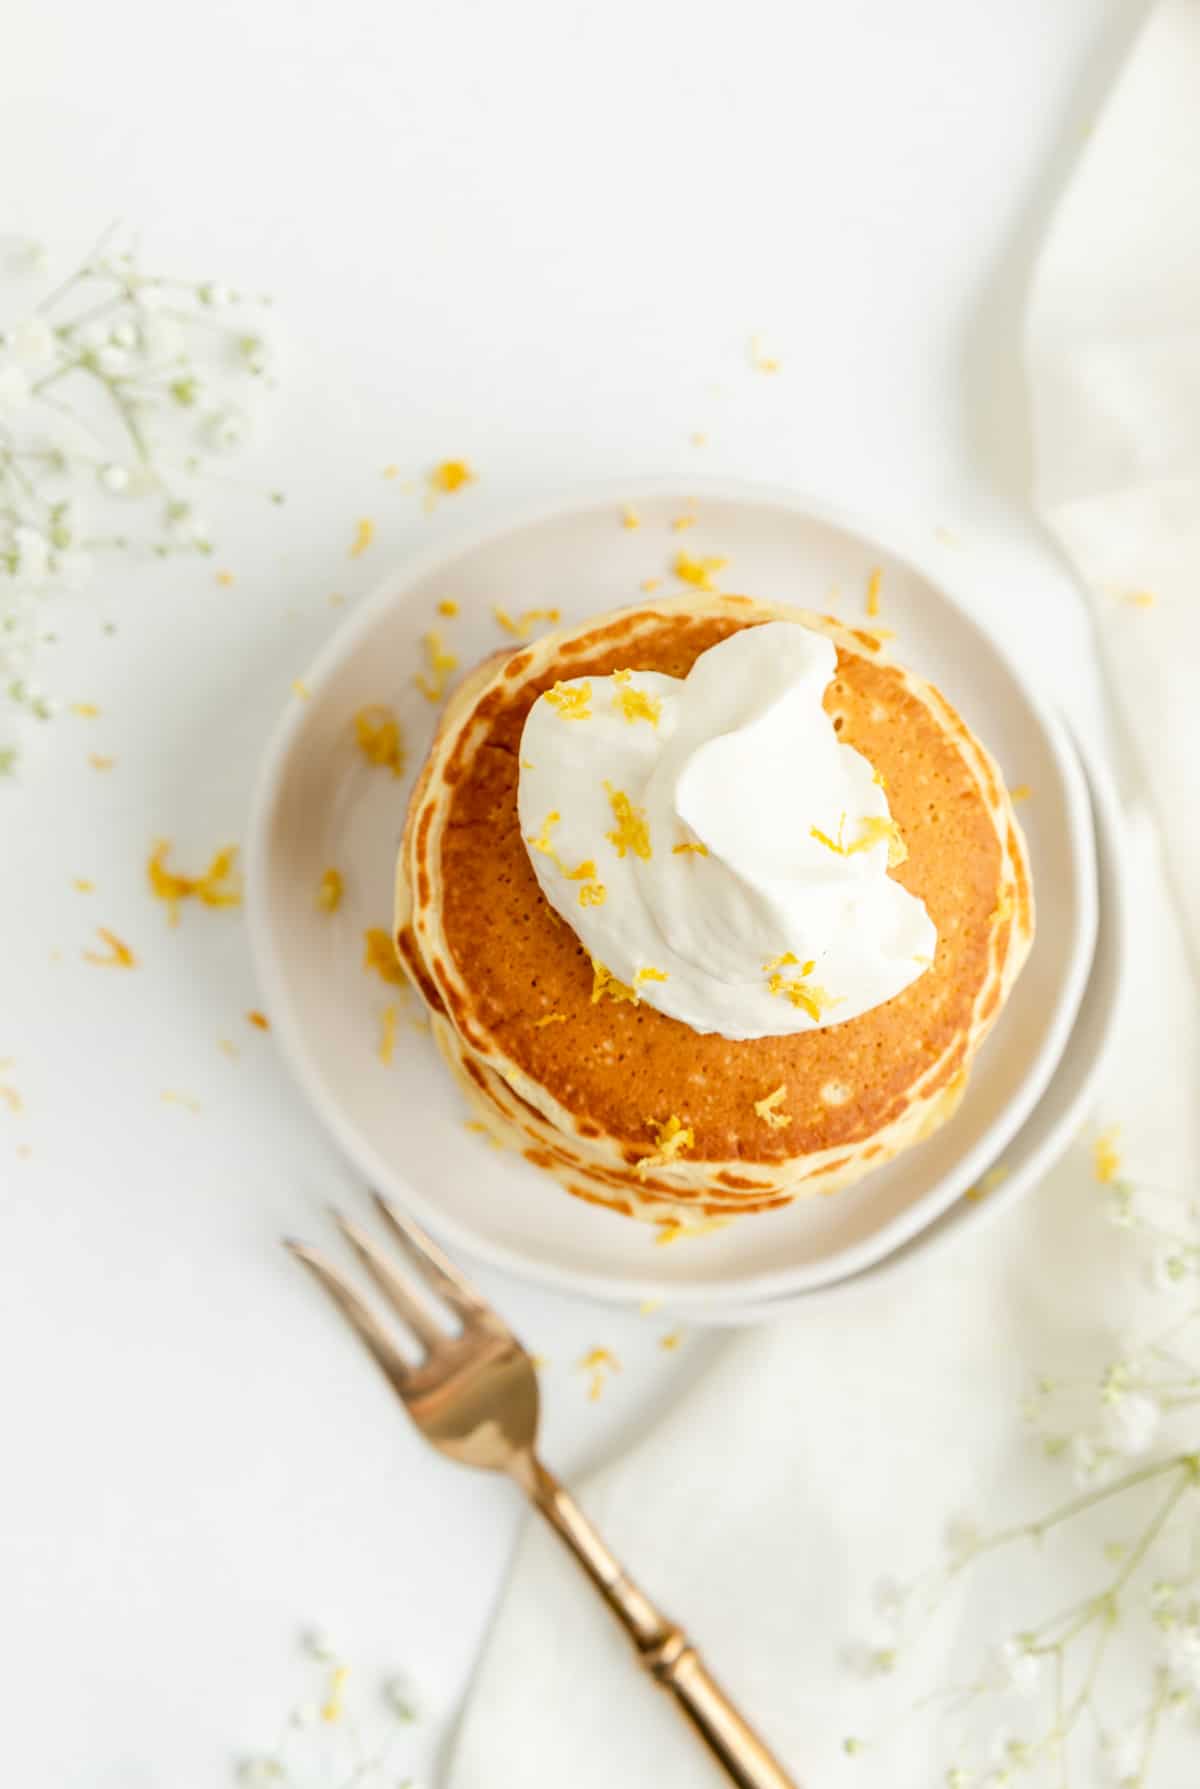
598 1091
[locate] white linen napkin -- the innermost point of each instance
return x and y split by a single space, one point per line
827 1452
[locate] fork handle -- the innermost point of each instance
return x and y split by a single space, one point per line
663 1648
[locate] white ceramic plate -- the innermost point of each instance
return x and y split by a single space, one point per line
320 805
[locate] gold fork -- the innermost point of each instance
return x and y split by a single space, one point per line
474 1396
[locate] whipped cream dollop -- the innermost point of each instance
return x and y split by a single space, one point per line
716 849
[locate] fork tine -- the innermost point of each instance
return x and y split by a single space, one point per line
407 1304
438 1270
359 1315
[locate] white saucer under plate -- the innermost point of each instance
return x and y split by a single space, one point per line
319 805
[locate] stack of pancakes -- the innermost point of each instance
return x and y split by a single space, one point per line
632 1109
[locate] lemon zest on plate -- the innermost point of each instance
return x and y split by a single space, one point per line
119 954
698 572
441 663
330 890
364 534
217 887
524 624
379 957
873 586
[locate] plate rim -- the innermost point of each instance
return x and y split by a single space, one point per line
767 1288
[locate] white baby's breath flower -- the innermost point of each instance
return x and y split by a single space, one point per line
257 1773
1168 1269
114 362
252 351
226 430
307 1716
14 387
32 553
1018 1666
125 335
403 1698
1181 1655
1131 1423
1122 1753
32 342
1090 1463
319 1644
91 337
113 477
213 295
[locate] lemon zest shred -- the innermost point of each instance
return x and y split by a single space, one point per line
760 360
767 1110
599 1362
671 1230
593 894
671 1139
448 607
363 536
542 841
99 762
631 832
84 884
876 828
697 572
873 585
329 891
605 982
635 704
387 1034
571 703
217 887
379 737
12 1099
441 663
259 1020
477 1125
550 1019
630 517
86 710
379 957
525 623
672 1340
809 999
119 954
1022 792
990 1181
649 974
334 1702
651 583
1106 1157
449 476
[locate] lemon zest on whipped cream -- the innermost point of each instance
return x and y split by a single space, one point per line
697 572
593 894
876 829
789 961
649 974
767 1110
671 1139
542 841
803 994
572 704
441 663
379 957
631 832
635 704
605 982
217 887
691 846
379 738
329 891
583 872
523 625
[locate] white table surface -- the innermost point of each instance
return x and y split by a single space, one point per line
538 236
